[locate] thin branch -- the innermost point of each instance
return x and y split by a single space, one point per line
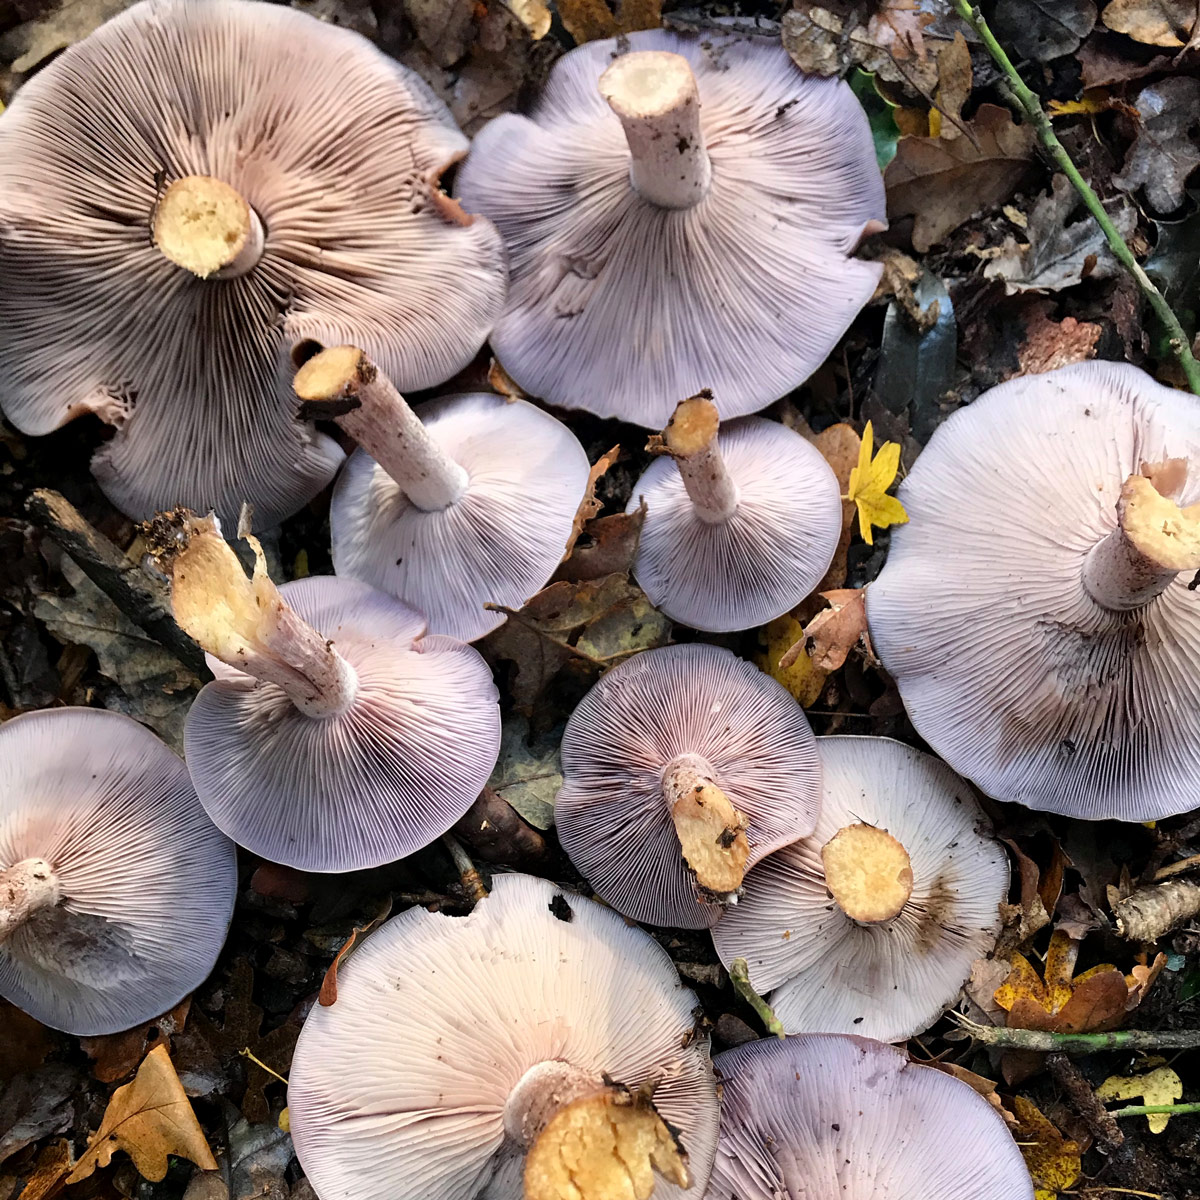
1031 106
739 976
1148 1110
1045 1042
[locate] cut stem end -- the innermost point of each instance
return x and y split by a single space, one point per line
25 887
690 438
868 873
711 832
205 226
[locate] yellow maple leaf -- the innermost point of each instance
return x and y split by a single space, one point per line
869 482
1162 1086
1052 1160
148 1119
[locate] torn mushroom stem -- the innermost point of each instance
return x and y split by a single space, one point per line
712 833
1153 542
868 873
654 94
246 623
380 420
25 887
207 227
690 438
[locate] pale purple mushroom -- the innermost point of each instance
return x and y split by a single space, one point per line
740 526
189 191
852 1118
467 501
680 213
336 735
115 889
682 768
457 1044
1036 611
870 924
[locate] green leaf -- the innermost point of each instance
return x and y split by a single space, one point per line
879 114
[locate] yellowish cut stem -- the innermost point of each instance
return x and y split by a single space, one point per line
604 1146
1154 540
247 624
868 873
690 438
712 833
25 887
206 227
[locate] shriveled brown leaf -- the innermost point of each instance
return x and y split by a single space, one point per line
1163 155
589 506
833 633
955 79
329 986
24 1042
1152 22
1052 344
839 444
1141 979
149 1119
944 183
898 27
608 546
116 1055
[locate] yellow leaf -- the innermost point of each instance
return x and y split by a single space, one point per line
1052 1160
869 482
1094 100
801 677
148 1119
1155 1087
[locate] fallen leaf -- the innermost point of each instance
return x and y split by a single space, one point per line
944 183
35 1105
1043 29
1104 61
1161 1086
1163 154
446 28
149 1119
43 1178
259 1155
897 27
24 1042
1093 101
588 20
978 1083
1141 979
1153 22
836 630
1053 1161
812 36
528 774
1052 344
869 482
589 506
839 445
329 988
795 671
116 1055
608 546
955 79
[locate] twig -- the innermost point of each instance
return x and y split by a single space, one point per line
739 975
1155 910
1031 106
1177 868
468 873
1146 1110
1084 1101
138 595
1046 1042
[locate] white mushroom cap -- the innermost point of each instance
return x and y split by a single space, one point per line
371 784
1008 667
335 149
144 883
612 815
890 979
400 1089
851 1118
761 561
620 306
498 543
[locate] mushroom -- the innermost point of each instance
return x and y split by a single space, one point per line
186 193
871 924
116 890
737 531
336 736
494 1054
852 1118
682 768
1036 612
679 213
469 501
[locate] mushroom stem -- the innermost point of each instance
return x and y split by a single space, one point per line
654 94
362 400
868 873
245 622
205 226
25 887
1154 540
690 438
544 1089
712 833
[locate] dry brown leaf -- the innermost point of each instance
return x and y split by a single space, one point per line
838 629
588 20
1141 979
609 546
589 506
1153 22
329 987
955 79
839 444
795 671
24 1042
149 1119
116 1055
1052 344
944 183
533 14
1163 155
985 1087
898 27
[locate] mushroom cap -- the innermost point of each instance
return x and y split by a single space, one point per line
766 558
828 974
612 817
330 142
398 1091
853 1118
620 307
1006 665
147 881
499 543
376 783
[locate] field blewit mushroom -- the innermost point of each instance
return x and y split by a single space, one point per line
468 502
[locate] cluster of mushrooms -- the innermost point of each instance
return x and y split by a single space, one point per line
222 221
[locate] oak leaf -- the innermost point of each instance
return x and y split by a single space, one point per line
869 482
149 1119
1153 22
1161 1086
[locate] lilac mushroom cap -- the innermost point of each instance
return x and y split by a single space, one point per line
1035 612
740 526
455 1040
116 890
682 768
853 1118
871 924
679 213
191 190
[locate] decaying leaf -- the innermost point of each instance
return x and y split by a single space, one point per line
784 659
1163 155
943 183
149 1119
1161 1086
869 482
839 444
329 985
116 1055
1153 22
589 506
1053 1160
587 20
1043 29
1052 344
836 630
528 773
955 78
608 546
